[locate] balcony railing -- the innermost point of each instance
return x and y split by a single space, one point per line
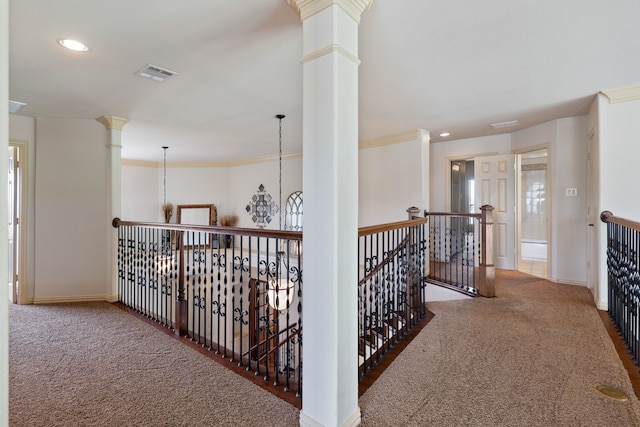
461 251
623 271
236 292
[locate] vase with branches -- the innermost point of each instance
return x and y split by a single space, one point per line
227 221
167 212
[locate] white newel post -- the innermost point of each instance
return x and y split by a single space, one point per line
114 144
330 184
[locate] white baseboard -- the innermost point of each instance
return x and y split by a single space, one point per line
353 421
568 282
602 305
76 298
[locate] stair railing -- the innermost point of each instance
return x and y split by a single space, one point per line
391 287
623 271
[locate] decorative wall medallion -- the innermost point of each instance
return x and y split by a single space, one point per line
262 207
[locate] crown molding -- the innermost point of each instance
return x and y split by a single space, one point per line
390 139
140 163
113 122
353 8
623 94
255 160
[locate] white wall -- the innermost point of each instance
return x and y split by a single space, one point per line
443 152
230 188
566 139
244 182
619 174
71 209
139 192
391 179
567 143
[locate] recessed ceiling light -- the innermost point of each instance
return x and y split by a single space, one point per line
504 124
73 45
445 134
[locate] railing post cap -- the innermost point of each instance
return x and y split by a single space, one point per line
116 222
604 216
486 208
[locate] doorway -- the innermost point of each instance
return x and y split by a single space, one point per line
16 232
533 212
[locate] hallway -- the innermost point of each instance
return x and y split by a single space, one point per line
532 356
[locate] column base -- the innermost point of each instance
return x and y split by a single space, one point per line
353 421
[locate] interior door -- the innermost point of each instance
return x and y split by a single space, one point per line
495 186
13 230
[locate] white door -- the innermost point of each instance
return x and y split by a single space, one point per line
13 231
495 185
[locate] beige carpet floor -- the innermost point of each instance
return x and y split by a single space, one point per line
530 357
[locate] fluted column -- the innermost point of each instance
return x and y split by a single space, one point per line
330 184
114 143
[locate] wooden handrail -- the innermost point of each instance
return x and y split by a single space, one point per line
237 231
374 229
607 216
465 215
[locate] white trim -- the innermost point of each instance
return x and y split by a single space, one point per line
395 138
353 421
622 94
255 160
602 305
353 8
77 298
569 282
333 48
23 270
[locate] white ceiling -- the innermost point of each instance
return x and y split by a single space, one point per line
454 65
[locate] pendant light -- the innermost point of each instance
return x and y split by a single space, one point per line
280 289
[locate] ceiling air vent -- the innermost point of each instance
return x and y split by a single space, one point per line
502 125
155 73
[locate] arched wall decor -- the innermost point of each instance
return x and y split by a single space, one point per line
293 212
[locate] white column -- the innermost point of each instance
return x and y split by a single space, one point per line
330 185
4 257
114 125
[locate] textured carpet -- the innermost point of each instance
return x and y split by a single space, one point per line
95 365
530 357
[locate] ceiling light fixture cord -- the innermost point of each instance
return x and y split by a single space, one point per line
280 117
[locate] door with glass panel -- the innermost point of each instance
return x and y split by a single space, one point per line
533 213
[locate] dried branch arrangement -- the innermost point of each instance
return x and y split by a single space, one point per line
228 220
167 211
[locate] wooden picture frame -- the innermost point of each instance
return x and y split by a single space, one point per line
197 214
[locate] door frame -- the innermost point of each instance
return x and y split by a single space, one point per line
548 183
23 168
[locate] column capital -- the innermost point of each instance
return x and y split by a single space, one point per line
353 8
113 122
